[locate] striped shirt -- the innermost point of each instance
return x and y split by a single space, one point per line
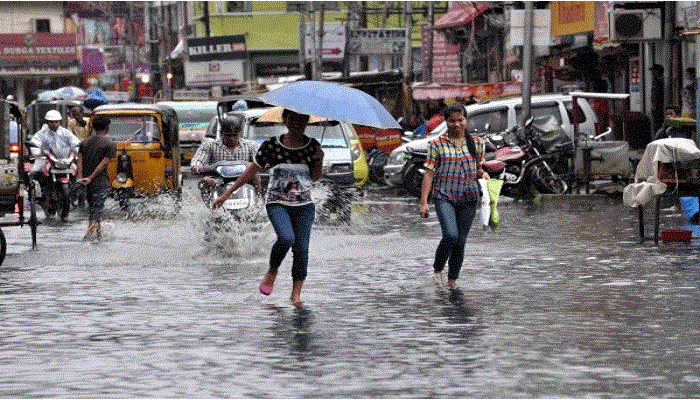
455 176
214 151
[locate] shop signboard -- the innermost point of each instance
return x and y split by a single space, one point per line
333 41
232 47
377 41
44 49
214 73
482 91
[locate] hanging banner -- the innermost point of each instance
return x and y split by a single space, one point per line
446 66
572 17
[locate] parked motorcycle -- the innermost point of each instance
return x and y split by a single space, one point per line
56 189
521 160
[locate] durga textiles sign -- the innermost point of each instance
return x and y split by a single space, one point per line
45 48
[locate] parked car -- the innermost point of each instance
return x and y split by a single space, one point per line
193 118
495 116
344 161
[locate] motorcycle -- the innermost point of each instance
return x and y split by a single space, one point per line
58 187
243 204
521 161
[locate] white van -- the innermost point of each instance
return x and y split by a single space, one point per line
497 116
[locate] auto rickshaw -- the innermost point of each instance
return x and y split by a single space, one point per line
148 154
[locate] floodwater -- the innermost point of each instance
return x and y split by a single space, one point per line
562 301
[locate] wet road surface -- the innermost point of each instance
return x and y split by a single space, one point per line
561 302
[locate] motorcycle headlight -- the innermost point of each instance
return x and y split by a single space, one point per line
121 177
397 158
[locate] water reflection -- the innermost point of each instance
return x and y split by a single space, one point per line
562 301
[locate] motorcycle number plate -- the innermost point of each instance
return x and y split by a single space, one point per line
235 204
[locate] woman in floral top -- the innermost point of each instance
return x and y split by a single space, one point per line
294 161
452 170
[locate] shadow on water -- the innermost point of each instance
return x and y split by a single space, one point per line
293 331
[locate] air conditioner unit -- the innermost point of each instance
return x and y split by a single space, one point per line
635 25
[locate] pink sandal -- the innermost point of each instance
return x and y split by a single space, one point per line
265 289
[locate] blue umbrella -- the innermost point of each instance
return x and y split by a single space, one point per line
333 101
71 93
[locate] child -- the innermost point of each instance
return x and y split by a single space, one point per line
93 155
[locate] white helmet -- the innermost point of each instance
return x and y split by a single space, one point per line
53 115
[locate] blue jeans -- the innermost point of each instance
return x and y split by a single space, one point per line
455 221
292 225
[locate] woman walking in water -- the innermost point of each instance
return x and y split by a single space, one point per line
452 169
294 161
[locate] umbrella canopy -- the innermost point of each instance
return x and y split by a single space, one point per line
71 93
275 115
333 101
48 95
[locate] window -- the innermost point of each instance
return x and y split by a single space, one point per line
43 25
223 7
541 110
489 121
300 6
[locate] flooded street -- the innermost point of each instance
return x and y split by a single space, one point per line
561 302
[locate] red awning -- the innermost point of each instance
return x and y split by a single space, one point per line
460 14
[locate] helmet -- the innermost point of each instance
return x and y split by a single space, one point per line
53 115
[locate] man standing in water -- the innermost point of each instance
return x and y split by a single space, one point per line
93 157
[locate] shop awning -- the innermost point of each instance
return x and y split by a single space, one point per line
461 14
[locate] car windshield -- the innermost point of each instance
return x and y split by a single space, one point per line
142 128
328 133
195 115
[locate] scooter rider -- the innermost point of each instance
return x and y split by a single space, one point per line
230 147
51 138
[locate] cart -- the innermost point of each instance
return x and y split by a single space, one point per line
15 188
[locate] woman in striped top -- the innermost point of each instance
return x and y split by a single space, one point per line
452 170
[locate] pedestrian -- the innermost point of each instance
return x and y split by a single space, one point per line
670 130
93 156
657 96
452 169
688 94
294 161
77 123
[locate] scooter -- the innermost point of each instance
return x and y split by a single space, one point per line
58 184
218 178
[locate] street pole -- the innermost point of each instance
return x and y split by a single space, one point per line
312 43
207 32
302 41
408 49
429 61
319 70
132 40
527 62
